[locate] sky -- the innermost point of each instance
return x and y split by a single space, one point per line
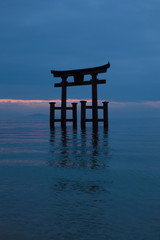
38 36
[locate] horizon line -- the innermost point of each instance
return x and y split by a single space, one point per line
69 100
151 103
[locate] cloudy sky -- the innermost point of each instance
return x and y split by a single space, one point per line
37 36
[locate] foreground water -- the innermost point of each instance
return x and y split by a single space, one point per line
82 185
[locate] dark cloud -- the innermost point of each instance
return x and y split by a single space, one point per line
37 36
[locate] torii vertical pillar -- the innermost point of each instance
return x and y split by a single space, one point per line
52 108
74 107
105 114
63 102
94 101
83 114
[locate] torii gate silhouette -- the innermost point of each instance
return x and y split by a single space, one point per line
78 76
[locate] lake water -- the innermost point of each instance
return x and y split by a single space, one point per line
83 185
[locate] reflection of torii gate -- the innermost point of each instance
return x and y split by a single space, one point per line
78 76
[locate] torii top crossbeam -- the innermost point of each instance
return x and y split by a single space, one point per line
85 71
78 75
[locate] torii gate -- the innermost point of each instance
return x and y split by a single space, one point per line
78 76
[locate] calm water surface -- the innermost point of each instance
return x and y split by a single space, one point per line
83 185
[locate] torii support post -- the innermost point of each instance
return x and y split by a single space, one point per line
105 114
83 114
94 101
52 109
74 106
63 102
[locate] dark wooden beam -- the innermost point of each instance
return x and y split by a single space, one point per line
83 114
74 115
52 113
85 71
63 102
105 114
94 101
70 84
90 107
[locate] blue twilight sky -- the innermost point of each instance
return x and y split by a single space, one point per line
37 36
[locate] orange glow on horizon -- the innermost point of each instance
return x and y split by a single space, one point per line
115 104
38 101
24 101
